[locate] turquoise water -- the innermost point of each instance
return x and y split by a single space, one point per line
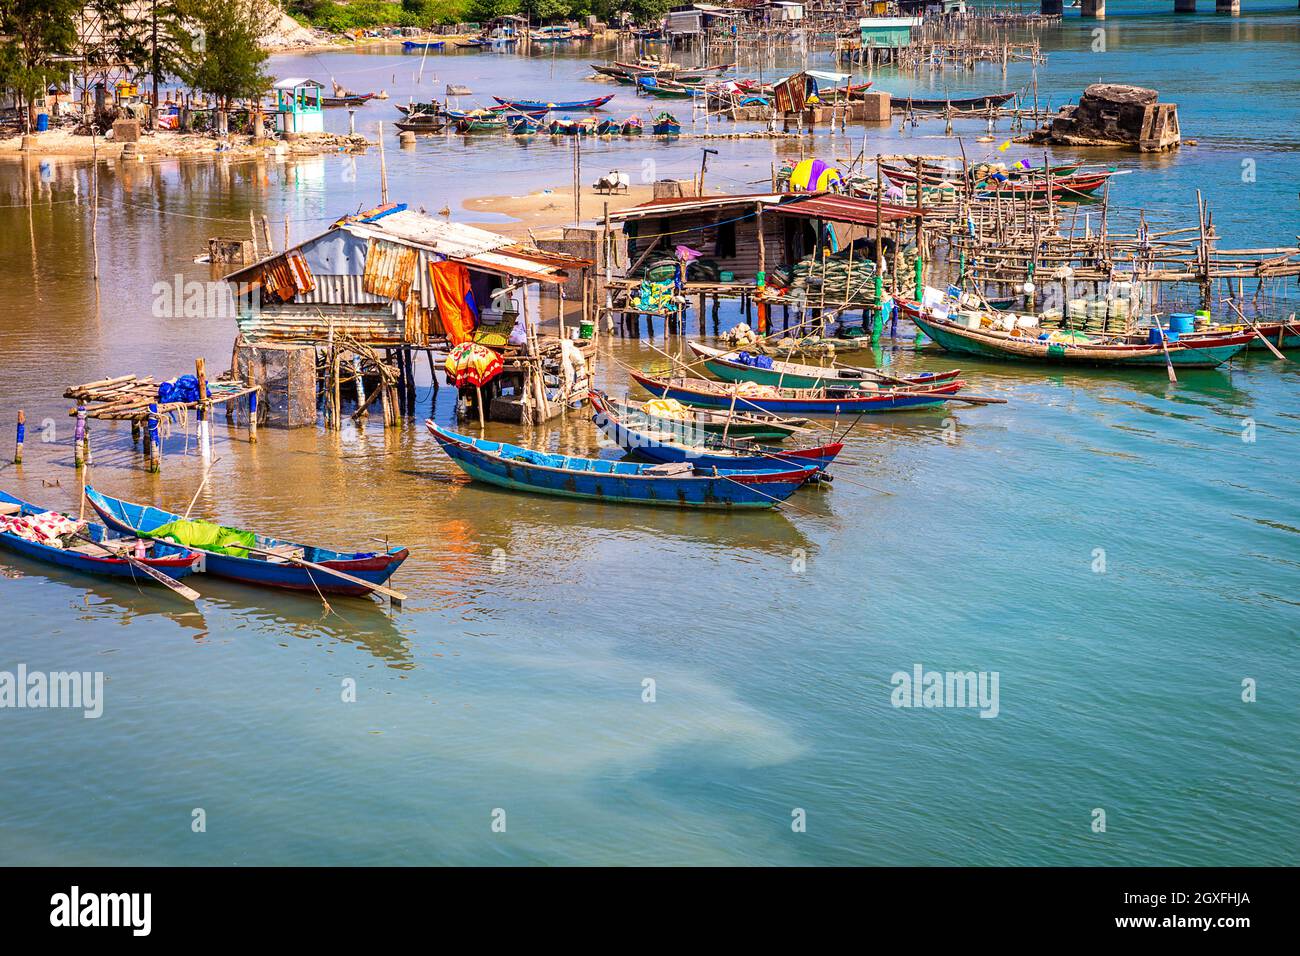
967 540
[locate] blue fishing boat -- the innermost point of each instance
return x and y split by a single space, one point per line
258 559
423 45
527 106
172 560
771 400
662 441
666 124
601 479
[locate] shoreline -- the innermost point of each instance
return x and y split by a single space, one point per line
166 143
551 208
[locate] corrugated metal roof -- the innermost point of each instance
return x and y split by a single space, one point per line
833 207
677 205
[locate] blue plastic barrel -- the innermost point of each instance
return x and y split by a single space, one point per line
1153 336
1182 322
42 122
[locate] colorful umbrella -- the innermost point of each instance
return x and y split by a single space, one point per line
472 364
812 175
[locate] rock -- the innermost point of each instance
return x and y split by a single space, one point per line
1112 114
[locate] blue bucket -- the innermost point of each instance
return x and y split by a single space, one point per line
1182 322
42 122
1153 336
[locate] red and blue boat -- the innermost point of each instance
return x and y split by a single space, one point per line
172 560
275 568
679 485
652 438
574 105
828 401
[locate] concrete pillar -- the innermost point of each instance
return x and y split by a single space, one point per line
1095 9
1184 6
1231 7
1052 8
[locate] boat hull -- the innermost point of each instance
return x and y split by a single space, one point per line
126 517
735 492
832 406
793 375
170 559
969 342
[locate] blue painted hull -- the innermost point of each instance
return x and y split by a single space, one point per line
174 561
127 517
616 481
846 405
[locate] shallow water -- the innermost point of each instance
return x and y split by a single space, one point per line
513 679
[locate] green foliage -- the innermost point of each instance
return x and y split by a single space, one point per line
35 33
217 49
368 14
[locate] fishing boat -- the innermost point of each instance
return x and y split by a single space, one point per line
102 558
522 125
666 89
474 44
409 45
422 123
632 126
572 127
666 124
679 485
650 438
350 99
848 400
555 34
1077 349
956 102
742 366
648 34
667 413
481 124
571 106
1063 189
234 554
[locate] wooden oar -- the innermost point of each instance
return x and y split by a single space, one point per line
167 582
302 562
1254 327
1164 347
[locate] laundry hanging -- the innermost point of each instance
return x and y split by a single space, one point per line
455 298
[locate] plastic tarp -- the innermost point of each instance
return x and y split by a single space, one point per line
208 536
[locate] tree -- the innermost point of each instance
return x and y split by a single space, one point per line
218 49
36 34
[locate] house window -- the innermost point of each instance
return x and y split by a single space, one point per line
726 245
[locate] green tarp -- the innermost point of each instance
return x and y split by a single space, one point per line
206 535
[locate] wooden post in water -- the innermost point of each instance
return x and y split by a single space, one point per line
383 168
18 445
79 436
155 444
201 373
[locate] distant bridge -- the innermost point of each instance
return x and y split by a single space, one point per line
1096 9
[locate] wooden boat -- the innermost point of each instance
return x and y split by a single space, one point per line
632 126
666 89
648 34
422 45
1282 335
278 571
666 124
601 479
571 106
738 424
476 43
422 123
934 174
1209 352
1063 189
351 99
171 559
728 365
522 125
650 438
481 124
811 401
956 102
570 127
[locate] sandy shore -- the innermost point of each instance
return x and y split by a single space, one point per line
59 142
551 209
